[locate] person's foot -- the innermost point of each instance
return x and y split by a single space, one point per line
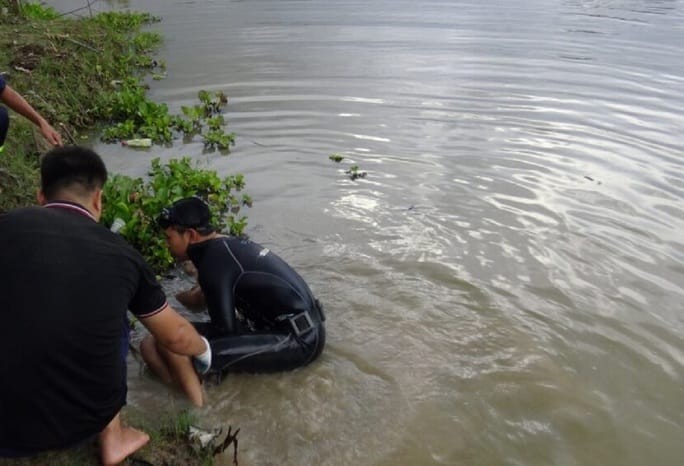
118 442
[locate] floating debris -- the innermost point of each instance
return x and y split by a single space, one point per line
201 438
209 440
139 142
231 439
354 172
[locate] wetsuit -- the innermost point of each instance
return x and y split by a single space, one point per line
281 324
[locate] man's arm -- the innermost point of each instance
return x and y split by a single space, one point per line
173 339
172 331
193 299
17 103
218 294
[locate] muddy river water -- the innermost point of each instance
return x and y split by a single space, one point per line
506 285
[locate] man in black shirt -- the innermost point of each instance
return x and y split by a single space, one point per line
264 317
66 283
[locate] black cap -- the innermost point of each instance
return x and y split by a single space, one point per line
191 212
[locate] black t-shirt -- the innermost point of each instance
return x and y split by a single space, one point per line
238 273
65 285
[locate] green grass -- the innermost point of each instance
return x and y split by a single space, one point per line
168 445
69 70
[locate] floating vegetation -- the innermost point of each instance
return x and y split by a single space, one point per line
133 204
208 113
144 119
69 70
354 172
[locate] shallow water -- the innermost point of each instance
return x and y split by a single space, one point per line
505 285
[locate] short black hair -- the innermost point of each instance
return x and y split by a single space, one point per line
71 167
190 212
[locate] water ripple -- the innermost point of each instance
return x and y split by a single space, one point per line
505 285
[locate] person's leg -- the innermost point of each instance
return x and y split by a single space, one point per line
268 351
258 352
149 353
118 442
172 368
183 373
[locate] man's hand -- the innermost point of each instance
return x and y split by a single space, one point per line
16 102
202 362
193 299
50 134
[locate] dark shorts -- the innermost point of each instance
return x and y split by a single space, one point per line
4 124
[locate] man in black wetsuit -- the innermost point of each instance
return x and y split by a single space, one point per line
264 317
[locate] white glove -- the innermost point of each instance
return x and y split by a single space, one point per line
202 362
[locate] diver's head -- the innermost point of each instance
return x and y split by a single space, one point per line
185 222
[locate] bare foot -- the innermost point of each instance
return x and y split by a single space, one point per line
118 442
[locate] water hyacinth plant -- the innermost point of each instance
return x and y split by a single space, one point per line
135 203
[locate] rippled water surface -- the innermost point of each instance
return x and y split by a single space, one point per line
506 284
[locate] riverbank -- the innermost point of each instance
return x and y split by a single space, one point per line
70 70
169 445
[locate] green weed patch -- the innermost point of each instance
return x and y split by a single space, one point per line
137 202
79 73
